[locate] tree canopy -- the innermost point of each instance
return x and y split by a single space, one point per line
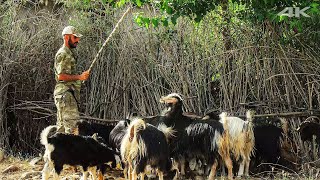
253 10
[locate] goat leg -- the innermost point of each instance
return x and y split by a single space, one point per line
228 163
134 175
241 168
142 176
175 166
247 165
160 174
183 166
213 170
100 175
85 175
46 171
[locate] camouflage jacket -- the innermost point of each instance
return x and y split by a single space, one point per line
65 63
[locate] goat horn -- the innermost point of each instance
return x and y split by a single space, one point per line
312 119
303 125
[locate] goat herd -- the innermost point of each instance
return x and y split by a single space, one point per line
170 145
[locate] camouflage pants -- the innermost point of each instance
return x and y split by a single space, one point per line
67 112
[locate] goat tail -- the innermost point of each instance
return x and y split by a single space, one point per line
284 141
136 126
47 132
250 139
249 115
132 145
284 126
167 131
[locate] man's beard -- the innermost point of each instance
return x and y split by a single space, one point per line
72 45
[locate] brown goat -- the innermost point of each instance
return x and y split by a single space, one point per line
241 139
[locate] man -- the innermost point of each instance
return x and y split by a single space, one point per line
67 89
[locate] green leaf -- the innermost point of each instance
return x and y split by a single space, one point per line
121 3
272 2
265 2
296 25
138 20
299 26
139 4
293 24
273 16
260 17
155 22
314 8
215 77
169 10
146 22
174 19
86 2
165 22
164 5
198 18
283 18
314 5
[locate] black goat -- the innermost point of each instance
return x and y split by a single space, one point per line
61 149
195 136
202 141
308 129
144 144
267 144
271 147
86 128
119 131
117 134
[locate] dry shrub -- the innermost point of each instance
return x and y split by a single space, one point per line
29 41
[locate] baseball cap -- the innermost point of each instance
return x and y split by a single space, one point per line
71 30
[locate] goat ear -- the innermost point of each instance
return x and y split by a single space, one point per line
131 133
95 136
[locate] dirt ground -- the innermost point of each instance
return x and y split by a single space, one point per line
12 168
17 169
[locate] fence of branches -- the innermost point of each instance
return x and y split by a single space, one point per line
139 66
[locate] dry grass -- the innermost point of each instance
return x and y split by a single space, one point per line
23 166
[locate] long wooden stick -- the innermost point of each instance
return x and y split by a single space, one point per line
107 40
